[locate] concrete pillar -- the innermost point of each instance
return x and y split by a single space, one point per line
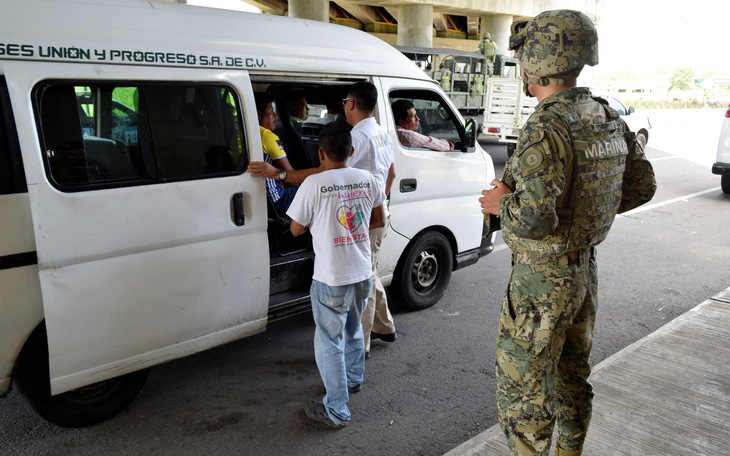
415 25
501 24
318 10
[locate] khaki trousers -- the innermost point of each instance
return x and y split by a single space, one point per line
376 316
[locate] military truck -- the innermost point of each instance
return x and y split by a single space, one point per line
492 100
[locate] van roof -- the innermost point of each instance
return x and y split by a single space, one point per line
140 32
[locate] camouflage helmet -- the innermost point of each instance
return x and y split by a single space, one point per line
555 43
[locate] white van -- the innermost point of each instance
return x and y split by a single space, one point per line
132 233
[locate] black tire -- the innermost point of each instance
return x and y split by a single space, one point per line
424 271
725 183
511 149
642 137
81 407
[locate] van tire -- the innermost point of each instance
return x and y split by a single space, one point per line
424 272
77 408
725 183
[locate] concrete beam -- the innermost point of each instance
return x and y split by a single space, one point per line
527 8
275 7
472 25
439 21
393 11
362 13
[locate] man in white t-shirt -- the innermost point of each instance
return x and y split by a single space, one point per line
339 206
373 152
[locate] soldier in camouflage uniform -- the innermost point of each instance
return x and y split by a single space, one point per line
576 166
488 49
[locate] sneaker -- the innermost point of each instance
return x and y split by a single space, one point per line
384 337
354 388
315 410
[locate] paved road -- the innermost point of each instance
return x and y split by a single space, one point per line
432 389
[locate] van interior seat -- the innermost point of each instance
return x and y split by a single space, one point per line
281 241
310 140
290 138
112 155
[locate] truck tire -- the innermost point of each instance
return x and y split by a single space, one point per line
642 137
510 149
424 272
77 408
725 183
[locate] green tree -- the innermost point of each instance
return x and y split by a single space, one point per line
682 79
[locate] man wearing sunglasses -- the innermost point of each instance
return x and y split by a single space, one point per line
373 151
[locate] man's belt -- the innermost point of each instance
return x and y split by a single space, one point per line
580 257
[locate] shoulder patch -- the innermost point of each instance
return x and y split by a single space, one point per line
532 159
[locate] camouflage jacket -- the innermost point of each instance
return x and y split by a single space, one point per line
545 214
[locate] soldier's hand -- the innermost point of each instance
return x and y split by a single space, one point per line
490 198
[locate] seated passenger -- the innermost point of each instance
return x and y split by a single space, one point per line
299 111
276 168
334 112
406 121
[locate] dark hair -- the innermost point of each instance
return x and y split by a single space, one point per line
262 99
365 95
400 110
335 140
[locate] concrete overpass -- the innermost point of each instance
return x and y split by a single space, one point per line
456 24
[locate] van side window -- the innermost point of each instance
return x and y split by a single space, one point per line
435 116
12 175
106 135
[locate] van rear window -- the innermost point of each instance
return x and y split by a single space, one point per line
108 135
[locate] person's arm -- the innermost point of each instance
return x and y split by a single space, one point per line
539 176
490 198
639 184
410 138
293 176
296 228
389 180
300 209
377 217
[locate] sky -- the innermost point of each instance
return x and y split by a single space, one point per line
653 35
237 5
641 36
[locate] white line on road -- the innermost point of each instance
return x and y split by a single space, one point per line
684 198
664 158
500 247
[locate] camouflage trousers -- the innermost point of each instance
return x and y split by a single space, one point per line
545 339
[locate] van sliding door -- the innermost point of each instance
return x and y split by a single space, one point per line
151 237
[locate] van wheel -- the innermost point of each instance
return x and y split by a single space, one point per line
81 407
424 273
725 183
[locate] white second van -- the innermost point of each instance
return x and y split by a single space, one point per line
132 233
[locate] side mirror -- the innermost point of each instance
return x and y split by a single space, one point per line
631 110
470 134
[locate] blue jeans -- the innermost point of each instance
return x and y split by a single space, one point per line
282 204
338 341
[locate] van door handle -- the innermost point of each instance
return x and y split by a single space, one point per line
237 209
407 185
